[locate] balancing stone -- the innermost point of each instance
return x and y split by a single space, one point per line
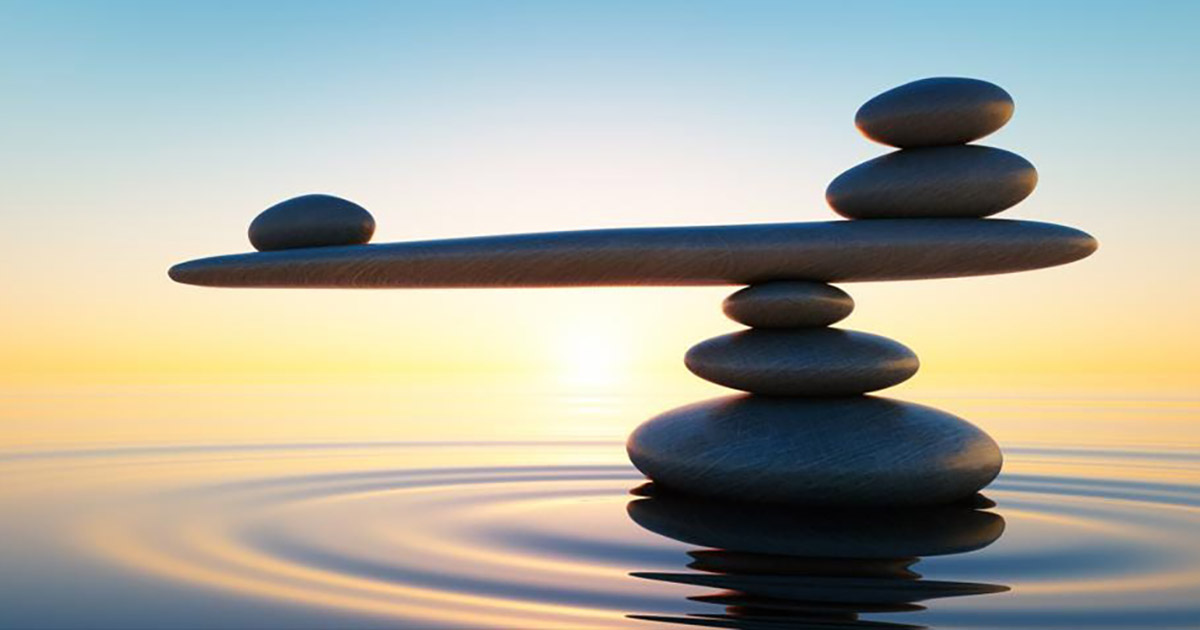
933 112
311 221
788 304
802 361
963 181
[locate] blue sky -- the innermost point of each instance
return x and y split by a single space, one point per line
135 135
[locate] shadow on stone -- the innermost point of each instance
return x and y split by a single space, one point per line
778 566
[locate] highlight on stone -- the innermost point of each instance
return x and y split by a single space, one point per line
806 432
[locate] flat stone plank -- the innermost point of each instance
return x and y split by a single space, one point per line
828 251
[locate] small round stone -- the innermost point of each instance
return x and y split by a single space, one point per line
856 451
802 362
933 112
311 221
938 182
788 304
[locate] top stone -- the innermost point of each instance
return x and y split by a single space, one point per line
934 112
311 221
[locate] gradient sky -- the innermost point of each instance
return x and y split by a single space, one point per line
137 135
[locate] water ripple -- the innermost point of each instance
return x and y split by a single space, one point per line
541 545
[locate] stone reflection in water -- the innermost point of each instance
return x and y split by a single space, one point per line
779 566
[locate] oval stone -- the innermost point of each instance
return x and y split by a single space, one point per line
856 451
802 362
962 181
311 221
788 304
936 111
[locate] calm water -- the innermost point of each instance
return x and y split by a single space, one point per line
1102 531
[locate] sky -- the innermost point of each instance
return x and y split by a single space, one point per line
137 135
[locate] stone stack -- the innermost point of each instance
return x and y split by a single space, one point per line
806 432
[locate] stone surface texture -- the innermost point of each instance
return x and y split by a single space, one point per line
788 304
802 361
856 451
311 221
936 111
961 181
833 251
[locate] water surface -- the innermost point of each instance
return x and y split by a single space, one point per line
563 533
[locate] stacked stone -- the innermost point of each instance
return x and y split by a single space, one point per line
935 173
314 220
806 432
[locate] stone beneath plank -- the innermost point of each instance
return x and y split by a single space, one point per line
936 111
311 221
833 251
788 304
859 451
939 182
802 362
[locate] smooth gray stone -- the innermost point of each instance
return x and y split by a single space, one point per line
774 530
937 111
788 304
833 251
802 361
939 182
311 221
857 451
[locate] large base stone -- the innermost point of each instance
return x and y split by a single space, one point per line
854 451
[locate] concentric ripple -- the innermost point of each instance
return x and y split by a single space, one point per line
403 536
